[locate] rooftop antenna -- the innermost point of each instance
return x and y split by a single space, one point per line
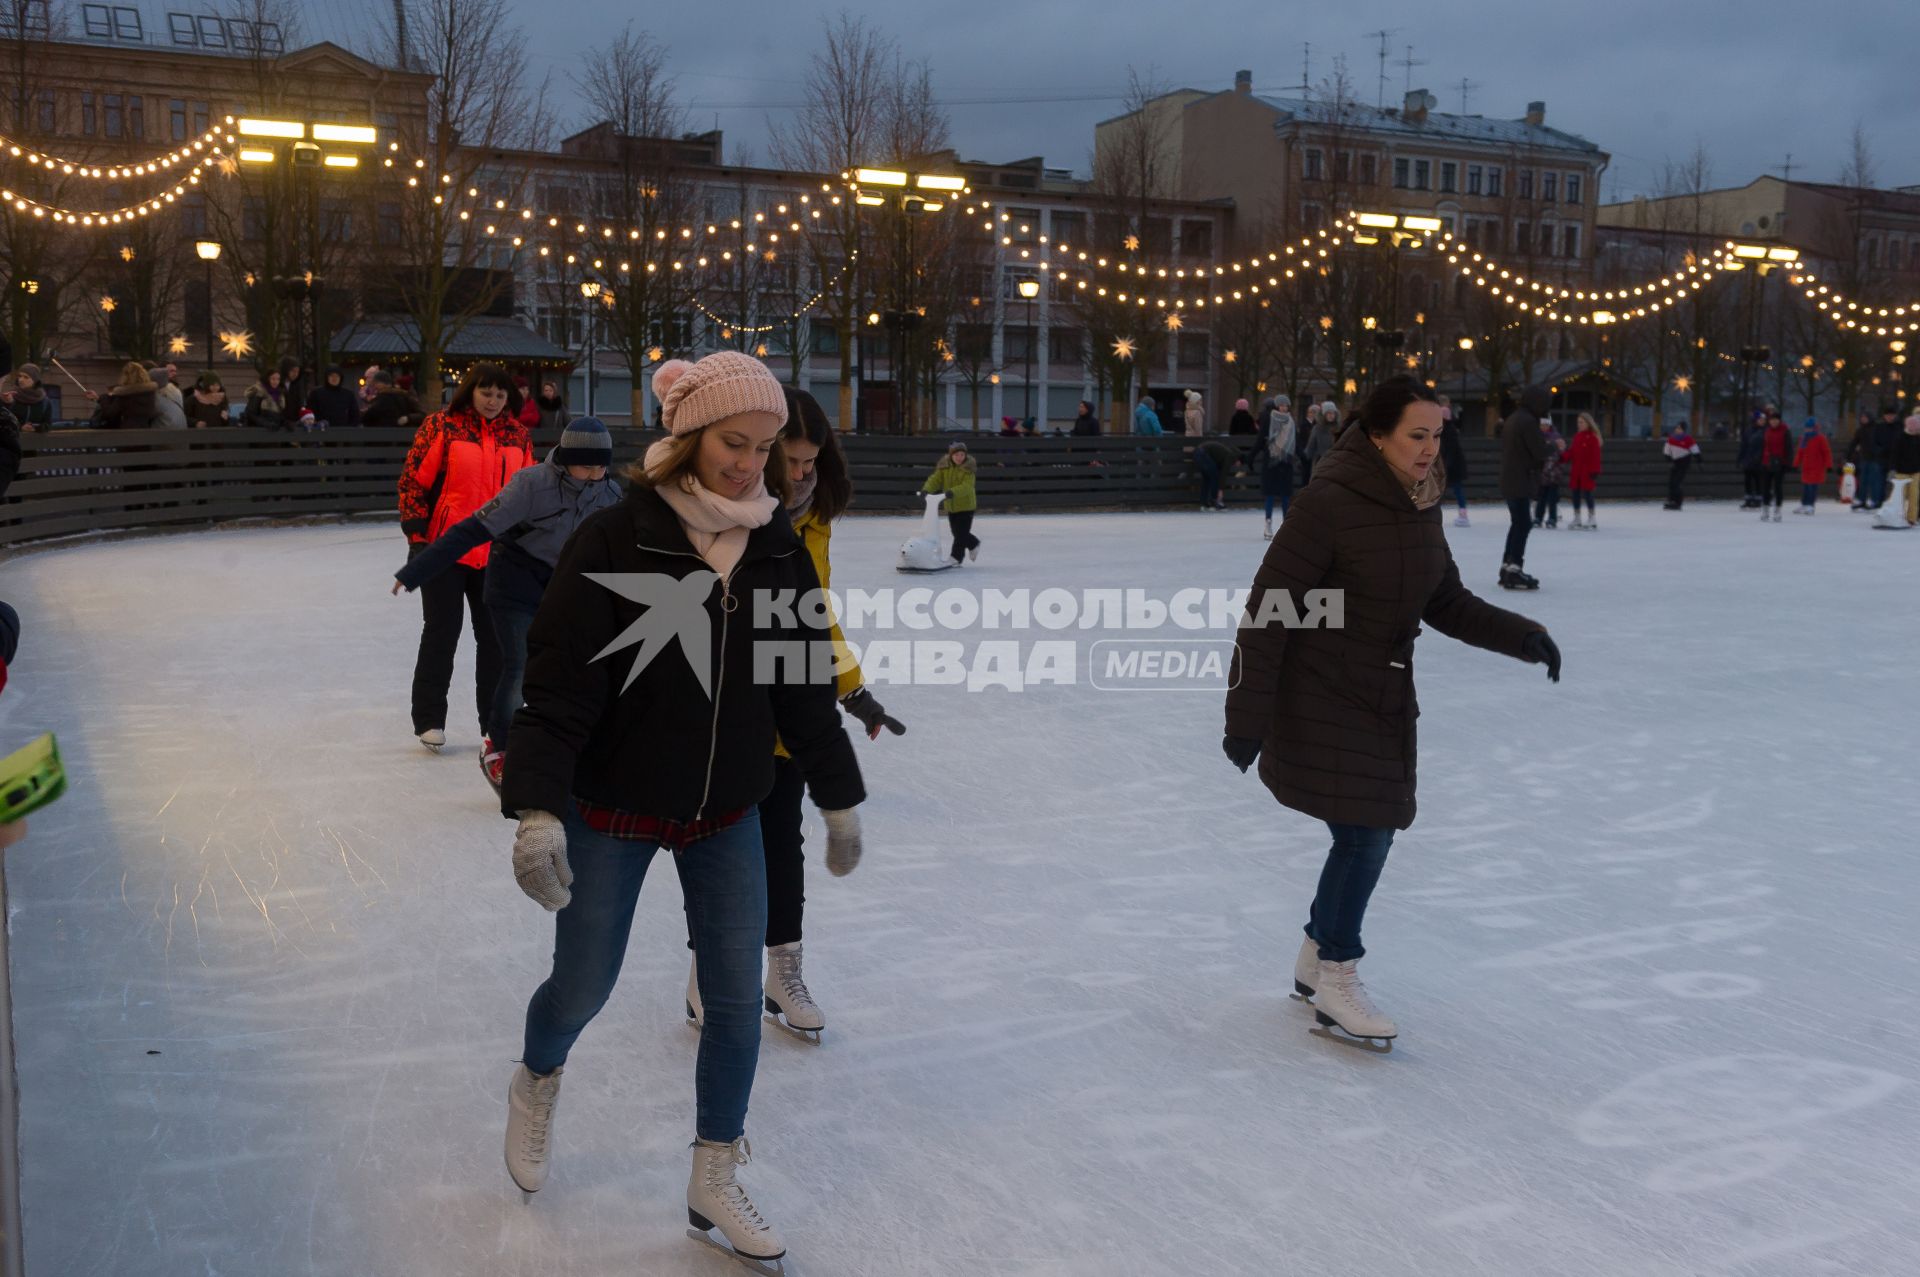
405 62
1306 67
1466 89
1382 35
1409 63
1786 170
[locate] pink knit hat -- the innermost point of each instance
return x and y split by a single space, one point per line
727 384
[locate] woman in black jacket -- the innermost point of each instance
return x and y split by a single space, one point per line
650 722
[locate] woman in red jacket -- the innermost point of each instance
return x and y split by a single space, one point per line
1583 468
461 457
1815 459
1776 455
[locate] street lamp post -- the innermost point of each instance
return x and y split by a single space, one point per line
590 289
1029 289
209 250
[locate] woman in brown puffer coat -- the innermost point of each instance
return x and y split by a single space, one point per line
1330 712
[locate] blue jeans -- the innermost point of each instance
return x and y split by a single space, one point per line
1809 493
1873 484
510 625
1459 489
1346 884
1276 483
724 879
1209 479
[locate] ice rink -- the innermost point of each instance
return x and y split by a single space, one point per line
1652 944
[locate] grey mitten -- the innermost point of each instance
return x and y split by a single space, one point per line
540 860
843 840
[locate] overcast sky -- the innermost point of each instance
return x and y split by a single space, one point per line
1645 79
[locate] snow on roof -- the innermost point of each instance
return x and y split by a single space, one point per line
1438 125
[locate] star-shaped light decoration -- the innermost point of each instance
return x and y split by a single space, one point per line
239 344
1683 384
770 256
109 305
126 253
1174 322
227 165
178 346
1232 357
1326 322
760 351
1123 348
655 354
1261 387
250 279
1132 243
726 334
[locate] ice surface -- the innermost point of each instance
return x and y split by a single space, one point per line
1651 944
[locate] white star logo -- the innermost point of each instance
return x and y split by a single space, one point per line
676 608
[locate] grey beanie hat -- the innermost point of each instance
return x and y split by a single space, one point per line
585 442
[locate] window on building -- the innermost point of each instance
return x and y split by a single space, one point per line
1023 225
675 332
1369 170
1523 184
1156 237
1402 174
1017 344
1473 179
826 340
1546 239
116 114
1449 177
336 221
1314 216
1423 175
1550 187
1310 164
1066 345
973 344
177 119
136 119
193 216
1192 350
1570 241
386 222
1070 228
1343 166
1196 238
1522 237
89 116
1495 176
1873 253
46 111
253 217
1573 188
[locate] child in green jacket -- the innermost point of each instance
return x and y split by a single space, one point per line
954 476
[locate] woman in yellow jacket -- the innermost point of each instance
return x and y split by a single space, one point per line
822 490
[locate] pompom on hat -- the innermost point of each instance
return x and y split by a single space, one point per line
694 396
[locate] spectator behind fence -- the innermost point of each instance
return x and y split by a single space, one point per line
1195 415
207 405
370 385
391 406
333 403
130 405
552 405
267 404
1146 418
168 411
1242 422
295 382
9 449
31 404
1086 423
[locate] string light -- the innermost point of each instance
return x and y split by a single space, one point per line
104 217
114 172
1856 316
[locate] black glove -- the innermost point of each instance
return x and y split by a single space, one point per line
1241 751
861 705
1538 649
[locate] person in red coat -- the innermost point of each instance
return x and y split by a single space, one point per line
1583 469
1815 458
1776 457
461 457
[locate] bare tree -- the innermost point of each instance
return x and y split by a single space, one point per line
441 268
841 127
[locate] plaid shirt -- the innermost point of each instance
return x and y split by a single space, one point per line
633 827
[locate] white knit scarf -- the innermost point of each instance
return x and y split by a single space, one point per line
717 526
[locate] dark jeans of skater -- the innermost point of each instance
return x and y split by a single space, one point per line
1775 490
1209 479
1460 495
1809 494
1276 484
510 625
1546 503
441 601
1754 482
1872 488
1577 495
1521 524
960 523
1677 478
724 880
1346 885
780 837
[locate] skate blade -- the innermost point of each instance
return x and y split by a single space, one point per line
776 1265
1330 1029
812 1036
